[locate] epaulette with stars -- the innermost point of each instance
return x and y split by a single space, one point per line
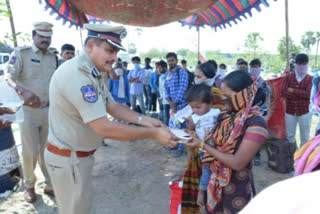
95 73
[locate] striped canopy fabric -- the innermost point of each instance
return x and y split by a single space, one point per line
223 12
146 13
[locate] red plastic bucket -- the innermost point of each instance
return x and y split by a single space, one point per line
175 199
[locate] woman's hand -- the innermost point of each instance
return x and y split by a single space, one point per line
195 141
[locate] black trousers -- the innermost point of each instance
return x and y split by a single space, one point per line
154 98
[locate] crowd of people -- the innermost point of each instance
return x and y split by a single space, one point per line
66 103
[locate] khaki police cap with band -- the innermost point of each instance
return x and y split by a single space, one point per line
43 28
111 34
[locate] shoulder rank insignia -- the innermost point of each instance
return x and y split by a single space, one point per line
12 60
89 93
95 73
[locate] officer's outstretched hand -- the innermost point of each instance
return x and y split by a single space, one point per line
30 99
151 122
165 137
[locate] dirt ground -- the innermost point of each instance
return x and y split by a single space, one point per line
129 177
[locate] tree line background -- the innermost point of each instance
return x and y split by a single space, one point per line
272 63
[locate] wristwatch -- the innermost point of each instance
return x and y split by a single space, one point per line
139 119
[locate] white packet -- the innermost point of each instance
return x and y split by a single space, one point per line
183 113
10 99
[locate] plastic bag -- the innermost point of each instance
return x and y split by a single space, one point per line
10 99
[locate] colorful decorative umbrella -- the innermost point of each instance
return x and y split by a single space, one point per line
222 12
131 12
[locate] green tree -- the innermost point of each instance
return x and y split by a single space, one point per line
272 63
317 36
252 42
183 52
283 50
138 42
308 40
4 10
216 55
154 53
6 13
132 48
138 31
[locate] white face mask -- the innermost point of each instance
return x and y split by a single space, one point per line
255 72
198 82
222 73
136 66
208 82
301 71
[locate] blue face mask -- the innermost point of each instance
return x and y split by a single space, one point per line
136 66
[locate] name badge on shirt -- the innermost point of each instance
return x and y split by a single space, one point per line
89 93
35 60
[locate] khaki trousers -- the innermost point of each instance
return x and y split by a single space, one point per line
72 182
34 133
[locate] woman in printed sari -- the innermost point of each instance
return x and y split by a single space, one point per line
232 144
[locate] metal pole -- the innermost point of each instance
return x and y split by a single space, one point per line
13 31
81 38
287 34
198 43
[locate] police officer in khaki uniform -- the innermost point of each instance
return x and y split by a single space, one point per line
79 104
29 71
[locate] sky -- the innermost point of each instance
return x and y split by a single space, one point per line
270 23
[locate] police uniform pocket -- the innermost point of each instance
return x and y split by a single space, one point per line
53 161
32 70
53 167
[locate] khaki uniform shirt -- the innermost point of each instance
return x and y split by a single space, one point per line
78 95
32 69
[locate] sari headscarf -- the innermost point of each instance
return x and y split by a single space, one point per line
224 137
217 98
